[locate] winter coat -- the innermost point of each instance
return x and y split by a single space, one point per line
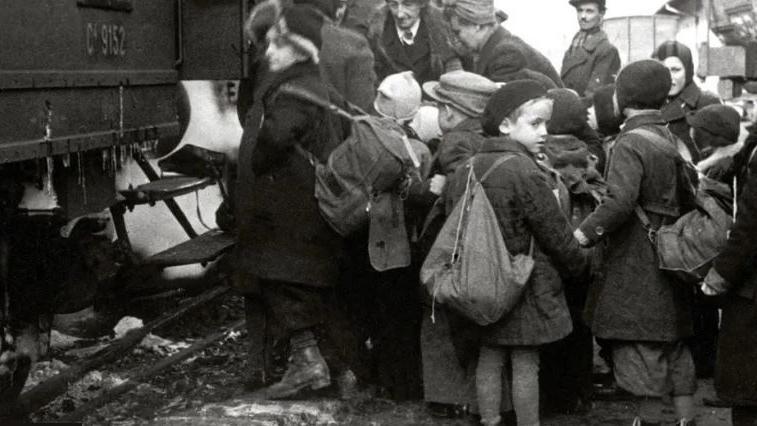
347 63
691 98
434 36
736 262
281 234
637 301
590 66
494 61
523 200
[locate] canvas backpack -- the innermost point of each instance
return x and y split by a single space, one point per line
469 267
376 157
687 247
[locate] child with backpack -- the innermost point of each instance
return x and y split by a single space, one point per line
531 221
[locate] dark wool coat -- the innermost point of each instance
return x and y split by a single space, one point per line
390 56
347 63
455 149
523 200
495 63
591 66
281 233
736 370
674 112
637 301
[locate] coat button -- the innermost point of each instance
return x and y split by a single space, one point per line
599 230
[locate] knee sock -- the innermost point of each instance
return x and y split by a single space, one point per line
525 364
489 383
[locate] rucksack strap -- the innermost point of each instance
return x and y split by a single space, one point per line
495 165
307 95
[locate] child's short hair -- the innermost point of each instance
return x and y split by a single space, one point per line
515 115
509 101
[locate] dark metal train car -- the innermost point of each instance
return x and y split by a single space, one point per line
84 82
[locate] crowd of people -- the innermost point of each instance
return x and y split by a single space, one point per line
597 158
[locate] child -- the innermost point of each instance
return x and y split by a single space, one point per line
529 217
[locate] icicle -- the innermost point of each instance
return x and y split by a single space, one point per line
48 183
67 160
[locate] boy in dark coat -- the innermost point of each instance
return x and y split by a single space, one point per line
287 254
530 219
734 274
645 311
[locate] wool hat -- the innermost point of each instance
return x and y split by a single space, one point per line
721 122
398 97
600 3
480 12
301 26
426 123
569 113
680 51
608 120
506 100
464 90
642 85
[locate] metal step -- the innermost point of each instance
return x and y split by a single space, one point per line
204 248
163 189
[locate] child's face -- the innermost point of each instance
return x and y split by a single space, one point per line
450 117
281 54
530 128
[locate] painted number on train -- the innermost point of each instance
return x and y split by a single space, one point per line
107 40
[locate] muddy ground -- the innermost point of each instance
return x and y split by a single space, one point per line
206 388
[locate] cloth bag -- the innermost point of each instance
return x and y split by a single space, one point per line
469 267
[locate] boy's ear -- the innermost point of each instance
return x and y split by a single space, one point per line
505 126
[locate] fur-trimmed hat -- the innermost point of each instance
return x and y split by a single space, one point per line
642 85
301 26
680 51
506 100
721 125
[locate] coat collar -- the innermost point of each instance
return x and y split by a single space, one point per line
469 125
495 39
690 95
594 39
651 117
503 144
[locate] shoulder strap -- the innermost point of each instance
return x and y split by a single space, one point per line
496 164
652 136
307 95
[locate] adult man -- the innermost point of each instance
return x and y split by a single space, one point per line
591 60
494 52
408 35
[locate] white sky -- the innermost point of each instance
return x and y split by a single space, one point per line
549 25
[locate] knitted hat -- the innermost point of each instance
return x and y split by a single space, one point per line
301 26
569 113
398 97
721 123
680 51
506 100
642 85
464 90
608 120
566 150
262 17
480 12
600 3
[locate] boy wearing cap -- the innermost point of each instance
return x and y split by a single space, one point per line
642 309
591 60
530 218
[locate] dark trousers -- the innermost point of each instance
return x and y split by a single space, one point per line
705 340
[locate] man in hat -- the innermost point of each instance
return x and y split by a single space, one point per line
492 50
644 311
410 35
591 60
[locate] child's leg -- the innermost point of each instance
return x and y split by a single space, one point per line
525 362
489 383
